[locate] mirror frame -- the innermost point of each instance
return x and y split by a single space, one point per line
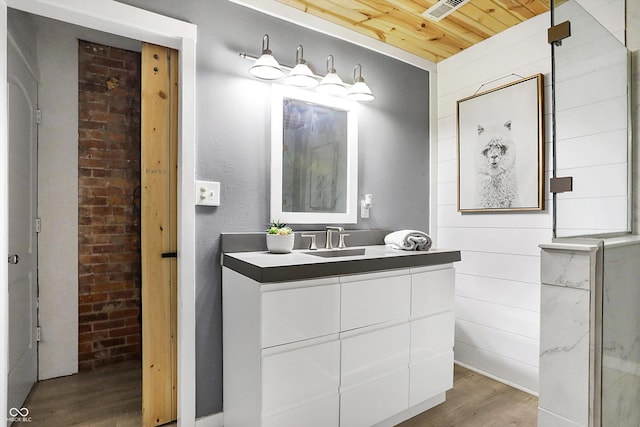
279 94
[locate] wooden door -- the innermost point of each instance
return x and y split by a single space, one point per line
159 133
22 92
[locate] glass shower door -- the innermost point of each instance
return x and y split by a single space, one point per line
591 126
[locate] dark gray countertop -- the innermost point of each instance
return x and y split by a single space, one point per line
266 267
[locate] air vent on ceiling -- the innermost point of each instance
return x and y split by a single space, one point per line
443 8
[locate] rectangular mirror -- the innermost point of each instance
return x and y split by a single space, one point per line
314 157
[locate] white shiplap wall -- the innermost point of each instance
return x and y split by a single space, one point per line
497 281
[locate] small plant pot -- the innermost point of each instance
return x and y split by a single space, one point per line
280 243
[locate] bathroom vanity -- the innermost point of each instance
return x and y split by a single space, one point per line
324 338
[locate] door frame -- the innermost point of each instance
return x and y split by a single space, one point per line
127 21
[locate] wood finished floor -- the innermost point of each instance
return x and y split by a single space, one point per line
479 401
110 397
107 397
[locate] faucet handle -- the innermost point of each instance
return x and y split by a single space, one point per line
312 245
341 243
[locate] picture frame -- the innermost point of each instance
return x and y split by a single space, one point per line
500 148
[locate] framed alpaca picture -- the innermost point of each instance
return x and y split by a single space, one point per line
501 148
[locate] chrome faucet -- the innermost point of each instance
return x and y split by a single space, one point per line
329 240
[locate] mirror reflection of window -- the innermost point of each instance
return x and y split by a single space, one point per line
314 158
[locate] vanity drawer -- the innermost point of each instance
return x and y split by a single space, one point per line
294 375
375 401
319 413
432 335
369 299
432 292
373 354
430 377
299 313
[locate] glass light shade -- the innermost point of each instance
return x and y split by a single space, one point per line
360 92
267 68
301 76
332 84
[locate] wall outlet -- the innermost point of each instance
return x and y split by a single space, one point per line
207 193
364 209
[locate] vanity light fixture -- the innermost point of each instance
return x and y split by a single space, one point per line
301 75
266 67
331 84
360 91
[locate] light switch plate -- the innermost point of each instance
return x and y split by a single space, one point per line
207 193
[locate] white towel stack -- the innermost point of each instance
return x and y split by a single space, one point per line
409 240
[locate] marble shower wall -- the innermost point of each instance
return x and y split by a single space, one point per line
569 277
621 333
590 333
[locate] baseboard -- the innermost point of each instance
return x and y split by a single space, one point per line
215 420
493 377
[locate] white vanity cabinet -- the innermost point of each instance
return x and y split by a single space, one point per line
432 333
354 350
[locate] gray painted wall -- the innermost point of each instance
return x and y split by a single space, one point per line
233 128
233 119
19 25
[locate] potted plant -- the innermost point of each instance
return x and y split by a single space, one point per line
280 238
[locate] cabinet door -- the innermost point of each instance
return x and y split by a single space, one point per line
432 292
297 314
324 412
430 377
369 403
370 299
374 354
297 376
432 335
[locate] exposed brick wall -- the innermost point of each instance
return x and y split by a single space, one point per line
108 205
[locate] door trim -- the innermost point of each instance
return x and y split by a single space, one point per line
127 21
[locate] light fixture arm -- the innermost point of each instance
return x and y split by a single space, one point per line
359 78
330 68
265 45
300 52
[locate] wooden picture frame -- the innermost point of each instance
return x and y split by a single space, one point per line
500 148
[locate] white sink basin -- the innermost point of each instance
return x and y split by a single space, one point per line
334 253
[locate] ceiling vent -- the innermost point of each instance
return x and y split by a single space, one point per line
443 8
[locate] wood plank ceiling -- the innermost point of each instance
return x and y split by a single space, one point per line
400 22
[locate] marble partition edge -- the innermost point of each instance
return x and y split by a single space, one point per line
570 264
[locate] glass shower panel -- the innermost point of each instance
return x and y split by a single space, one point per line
591 113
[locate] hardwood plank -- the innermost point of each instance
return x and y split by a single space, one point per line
400 22
173 220
523 9
157 229
492 8
418 28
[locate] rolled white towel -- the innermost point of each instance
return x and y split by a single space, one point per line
409 240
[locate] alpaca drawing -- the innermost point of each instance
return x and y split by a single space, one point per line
495 162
